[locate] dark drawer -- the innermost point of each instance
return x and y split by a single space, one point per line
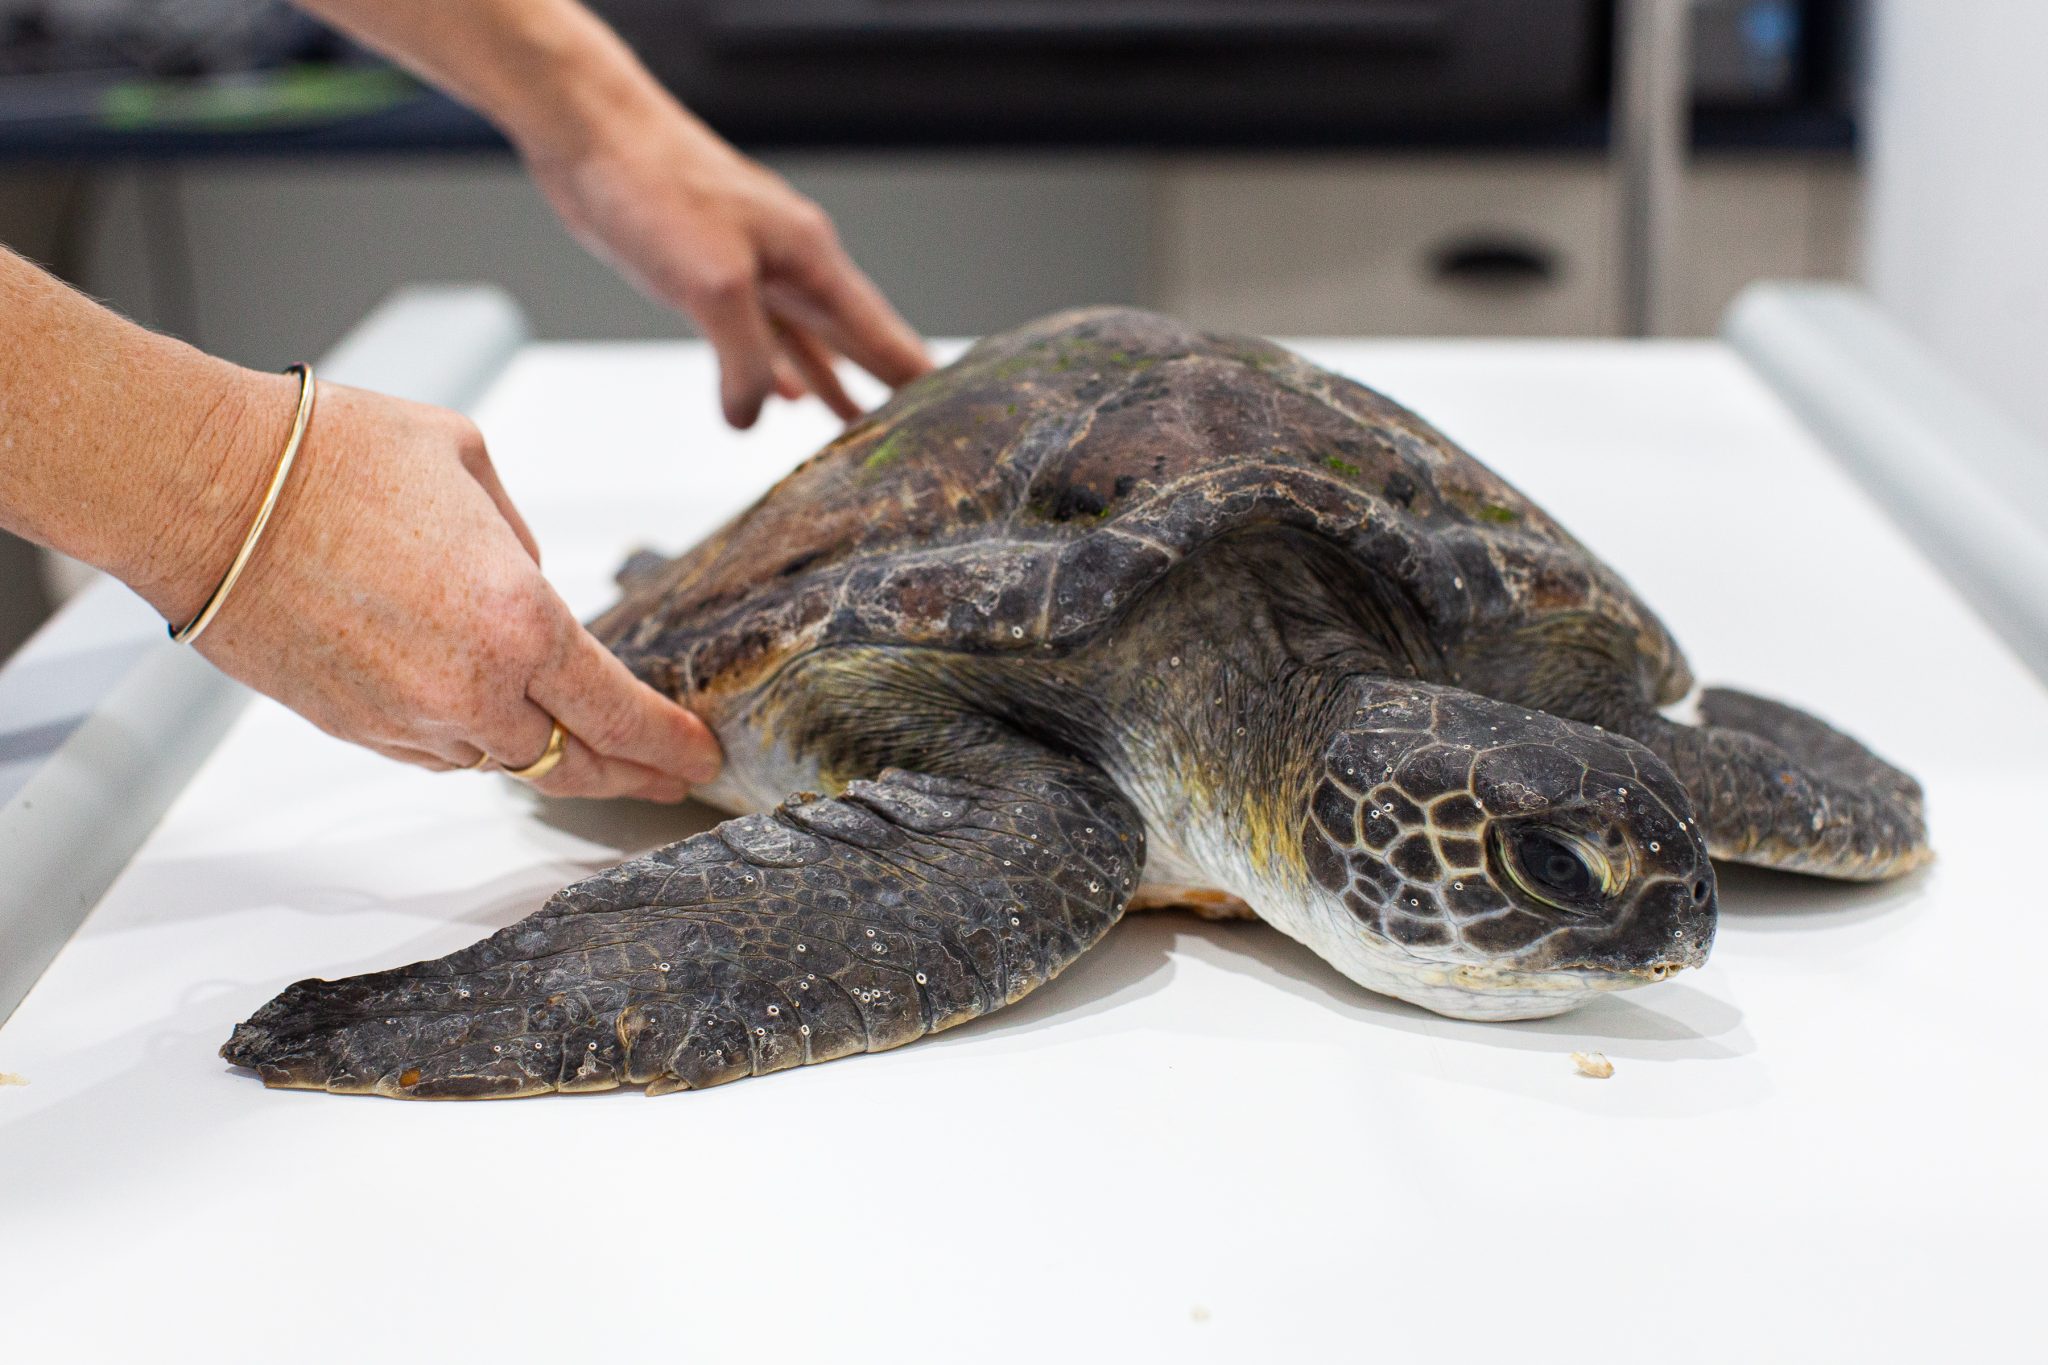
1118 72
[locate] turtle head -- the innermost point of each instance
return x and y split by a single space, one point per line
1488 862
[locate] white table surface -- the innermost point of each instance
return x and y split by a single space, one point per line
1200 1143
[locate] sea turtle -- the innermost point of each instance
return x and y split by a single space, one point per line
1113 612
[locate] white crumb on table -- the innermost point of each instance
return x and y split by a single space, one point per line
1593 1064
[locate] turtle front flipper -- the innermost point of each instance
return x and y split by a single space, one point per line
852 924
1780 788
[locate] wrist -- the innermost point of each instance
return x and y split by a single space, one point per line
205 483
575 90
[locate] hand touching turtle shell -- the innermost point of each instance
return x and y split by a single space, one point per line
396 600
394 597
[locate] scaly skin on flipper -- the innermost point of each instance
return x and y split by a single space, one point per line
834 926
1779 788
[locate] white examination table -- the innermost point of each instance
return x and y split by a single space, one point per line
1200 1143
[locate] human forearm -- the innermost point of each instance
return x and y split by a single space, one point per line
647 186
123 448
548 73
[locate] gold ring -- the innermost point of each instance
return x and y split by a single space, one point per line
558 740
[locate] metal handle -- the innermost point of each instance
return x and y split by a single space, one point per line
1652 120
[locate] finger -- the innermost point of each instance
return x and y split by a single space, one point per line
518 735
617 715
727 305
472 758
586 773
829 295
418 758
477 460
814 361
788 384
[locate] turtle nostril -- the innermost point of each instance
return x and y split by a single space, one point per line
1699 891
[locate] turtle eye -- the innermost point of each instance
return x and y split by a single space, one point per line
1557 868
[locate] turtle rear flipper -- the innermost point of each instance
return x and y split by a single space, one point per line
833 926
1779 788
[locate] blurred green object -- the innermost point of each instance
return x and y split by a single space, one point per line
258 100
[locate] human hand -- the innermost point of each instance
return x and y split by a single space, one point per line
396 601
697 226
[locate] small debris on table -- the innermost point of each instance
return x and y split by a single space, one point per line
9 1078
1593 1064
1199 1313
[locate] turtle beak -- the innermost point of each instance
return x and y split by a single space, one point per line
1670 929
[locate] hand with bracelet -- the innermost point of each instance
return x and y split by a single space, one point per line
394 595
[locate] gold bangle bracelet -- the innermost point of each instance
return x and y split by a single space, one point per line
300 422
